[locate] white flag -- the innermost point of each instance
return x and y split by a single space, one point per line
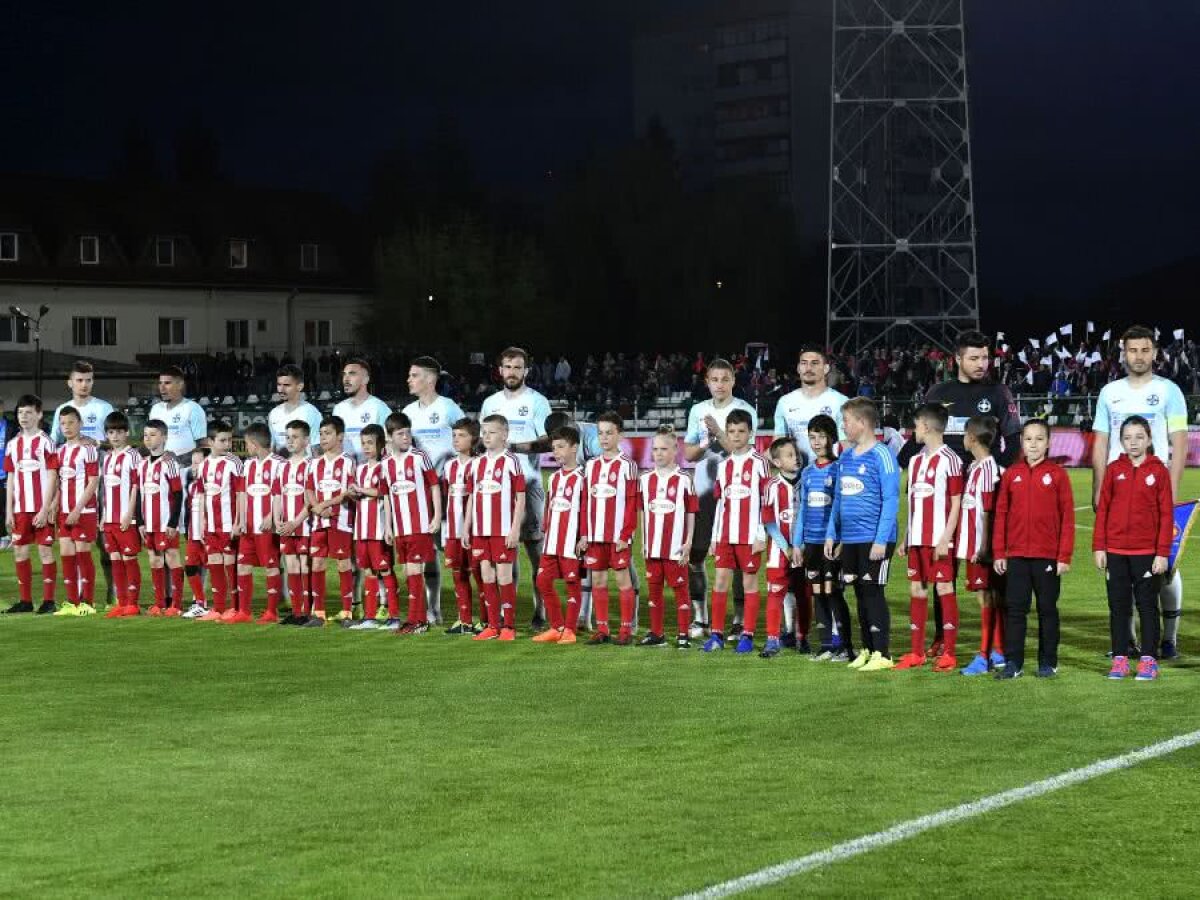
1061 353
1178 334
1036 345
999 335
1052 339
1021 356
1045 361
1091 327
1029 377
1107 335
1156 333
1094 359
1067 330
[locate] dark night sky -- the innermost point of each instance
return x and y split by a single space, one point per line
1086 132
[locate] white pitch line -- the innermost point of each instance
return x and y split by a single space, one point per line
1082 508
911 828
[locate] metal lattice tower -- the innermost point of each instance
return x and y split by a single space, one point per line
901 208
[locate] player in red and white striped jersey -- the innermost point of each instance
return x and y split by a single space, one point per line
669 506
415 506
162 504
563 521
121 471
612 482
258 545
221 481
778 514
934 496
973 542
496 484
292 519
373 529
738 538
30 461
330 477
457 501
195 556
78 521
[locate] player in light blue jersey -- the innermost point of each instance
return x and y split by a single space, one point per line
814 507
526 411
186 421
1161 403
360 408
705 444
862 528
432 417
813 398
289 384
92 410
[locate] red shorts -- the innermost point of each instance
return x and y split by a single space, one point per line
491 549
194 554
259 550
84 531
979 577
294 545
158 542
23 532
559 567
415 548
924 569
602 557
667 571
738 556
376 556
782 577
457 556
331 543
126 543
218 543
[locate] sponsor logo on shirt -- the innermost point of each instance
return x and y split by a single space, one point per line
921 490
818 499
67 472
293 489
560 505
406 487
210 489
329 485
661 507
737 492
984 405
604 491
490 487
969 502
852 486
150 489
258 490
28 465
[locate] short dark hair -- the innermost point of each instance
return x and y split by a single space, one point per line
259 433
612 418
82 367
1139 333
396 421
568 433
556 420
935 415
514 353
69 410
781 442
374 431
203 451
470 426
290 370
357 361
29 400
719 363
299 425
667 430
428 363
172 372
983 429
1038 423
219 426
813 348
739 417
156 424
495 419
116 421
334 422
972 339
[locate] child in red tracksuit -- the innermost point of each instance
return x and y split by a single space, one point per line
1033 537
1132 540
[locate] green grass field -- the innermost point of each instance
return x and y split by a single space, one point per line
175 758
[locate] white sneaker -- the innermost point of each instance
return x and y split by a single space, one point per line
366 625
195 611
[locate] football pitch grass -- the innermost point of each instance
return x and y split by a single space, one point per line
148 756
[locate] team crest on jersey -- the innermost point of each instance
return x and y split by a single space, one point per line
612 477
523 411
984 405
1046 479
434 418
175 418
671 492
1152 400
366 418
1149 480
862 470
91 418
746 477
827 410
930 475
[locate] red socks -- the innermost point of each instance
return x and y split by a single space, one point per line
508 604
159 578
683 608
416 599
371 595
656 607
295 582
196 583
750 612
491 594
71 577
49 581
346 584
462 594
918 615
998 630
320 588
25 580
176 578
720 602
245 593
392 591
274 589
775 611
627 599
551 600
231 586
600 605
574 602
216 580
950 623
86 566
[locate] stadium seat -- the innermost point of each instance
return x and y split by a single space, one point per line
253 398
324 396
132 403
205 401
228 401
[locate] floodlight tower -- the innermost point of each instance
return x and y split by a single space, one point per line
901 206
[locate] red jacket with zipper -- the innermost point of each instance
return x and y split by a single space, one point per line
1135 516
1035 513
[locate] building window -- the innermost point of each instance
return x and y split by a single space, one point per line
8 247
89 250
94 331
237 333
309 257
238 254
164 252
14 330
262 326
172 332
318 333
